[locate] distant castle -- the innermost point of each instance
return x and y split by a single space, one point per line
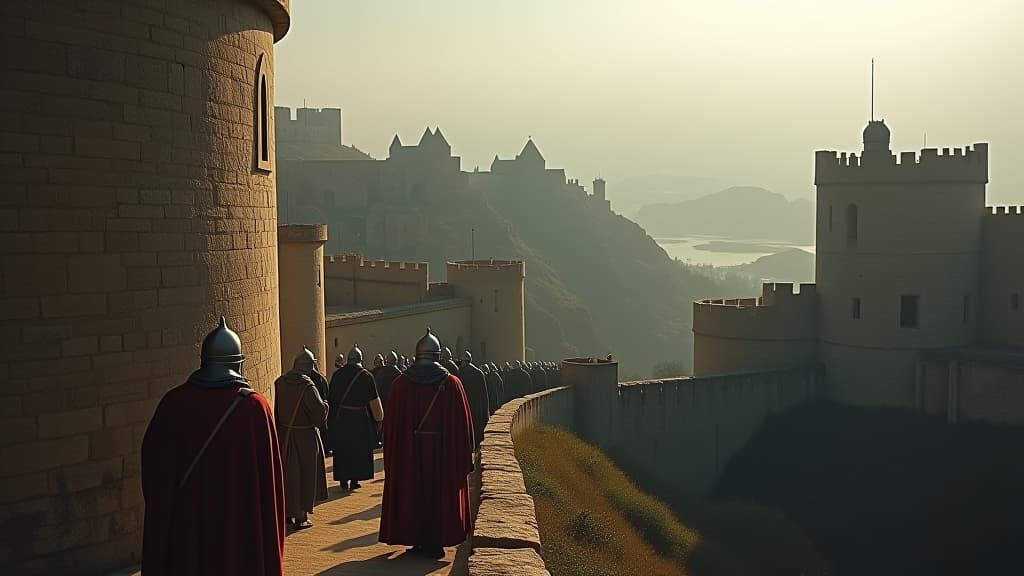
372 204
917 299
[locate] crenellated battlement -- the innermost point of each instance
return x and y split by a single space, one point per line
353 280
967 164
513 267
359 261
1004 210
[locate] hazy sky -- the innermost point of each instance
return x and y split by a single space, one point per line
742 91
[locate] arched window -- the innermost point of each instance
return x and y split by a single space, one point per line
851 224
261 117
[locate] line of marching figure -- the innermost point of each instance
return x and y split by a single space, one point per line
224 476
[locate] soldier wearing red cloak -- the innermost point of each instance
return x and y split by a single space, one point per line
428 455
212 475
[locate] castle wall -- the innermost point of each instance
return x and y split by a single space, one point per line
351 280
981 385
917 232
1002 277
778 330
684 431
300 251
398 328
496 288
132 218
311 125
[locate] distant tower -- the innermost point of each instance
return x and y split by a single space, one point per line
496 289
300 249
599 189
897 262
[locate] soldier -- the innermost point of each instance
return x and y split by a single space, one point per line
475 385
499 383
538 376
211 451
299 412
448 362
517 381
386 376
354 431
378 364
429 455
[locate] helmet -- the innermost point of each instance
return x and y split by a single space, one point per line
391 359
467 356
378 360
305 362
428 349
339 361
355 355
221 358
446 354
485 369
519 364
508 366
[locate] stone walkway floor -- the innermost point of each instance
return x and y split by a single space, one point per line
343 539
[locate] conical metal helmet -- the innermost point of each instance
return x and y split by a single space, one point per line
378 360
467 356
339 361
428 349
220 358
222 346
305 361
446 353
355 355
392 358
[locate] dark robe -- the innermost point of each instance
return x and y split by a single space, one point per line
495 391
352 431
475 385
518 383
384 378
300 412
229 516
539 378
323 388
426 483
450 366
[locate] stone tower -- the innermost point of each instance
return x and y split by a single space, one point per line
599 189
897 262
300 249
496 289
138 207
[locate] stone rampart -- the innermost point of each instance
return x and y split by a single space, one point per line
505 537
687 429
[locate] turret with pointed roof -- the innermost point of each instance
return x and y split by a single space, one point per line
531 155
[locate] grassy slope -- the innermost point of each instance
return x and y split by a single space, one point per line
891 492
594 521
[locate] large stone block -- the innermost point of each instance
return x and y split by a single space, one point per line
504 562
506 521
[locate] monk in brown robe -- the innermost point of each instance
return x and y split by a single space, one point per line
300 412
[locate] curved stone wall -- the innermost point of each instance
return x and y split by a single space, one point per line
505 537
133 216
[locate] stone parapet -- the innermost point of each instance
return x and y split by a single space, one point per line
506 539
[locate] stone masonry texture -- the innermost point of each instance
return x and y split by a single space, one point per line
132 218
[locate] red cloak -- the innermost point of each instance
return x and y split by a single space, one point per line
426 482
228 518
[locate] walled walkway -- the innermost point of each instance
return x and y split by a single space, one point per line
343 539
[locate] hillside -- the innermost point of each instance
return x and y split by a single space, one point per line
594 521
889 491
640 300
793 265
631 194
739 212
